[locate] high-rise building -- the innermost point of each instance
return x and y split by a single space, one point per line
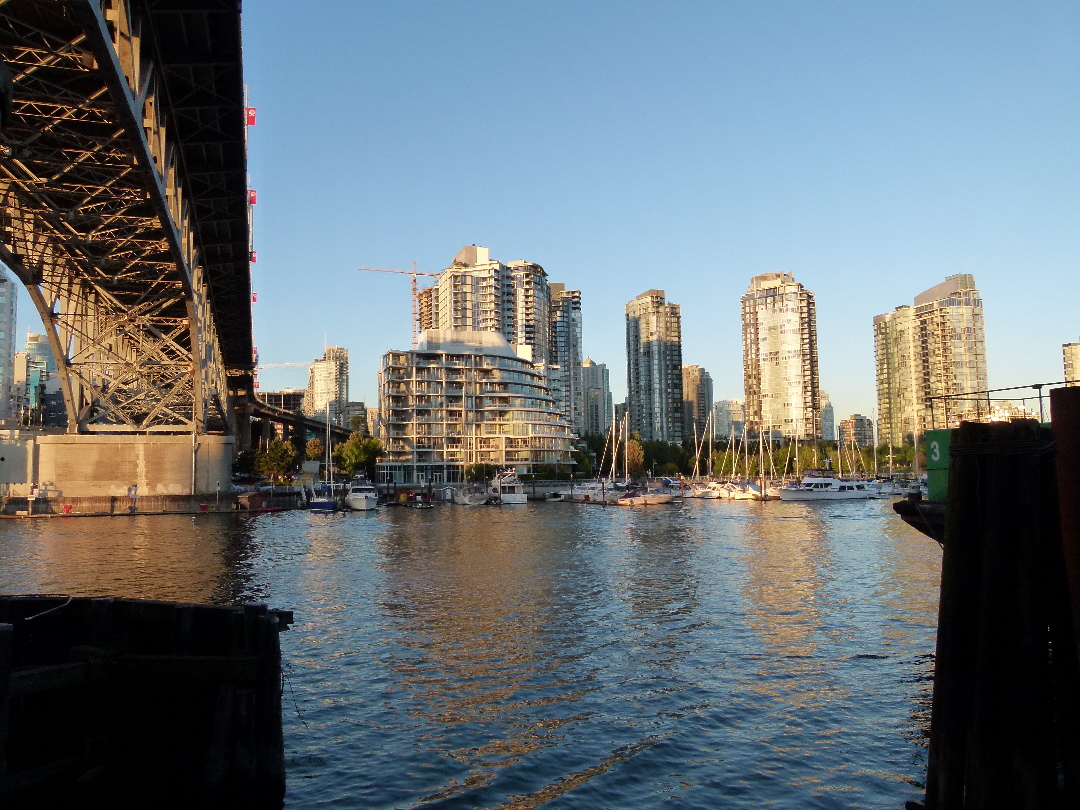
462 398
654 367
1071 354
828 417
697 391
729 417
564 331
780 357
38 395
858 430
478 293
931 361
328 386
596 383
8 301
541 321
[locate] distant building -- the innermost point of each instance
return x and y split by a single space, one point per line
564 331
8 305
654 367
729 418
359 411
933 349
597 386
697 390
858 430
288 399
622 412
828 418
1071 354
41 401
462 398
780 357
328 386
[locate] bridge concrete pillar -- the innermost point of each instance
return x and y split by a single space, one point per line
92 465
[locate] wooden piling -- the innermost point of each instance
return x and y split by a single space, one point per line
1000 732
126 703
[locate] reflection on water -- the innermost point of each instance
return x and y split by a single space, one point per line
197 558
563 656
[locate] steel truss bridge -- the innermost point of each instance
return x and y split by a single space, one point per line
124 205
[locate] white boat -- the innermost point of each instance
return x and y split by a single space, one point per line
362 495
645 498
816 486
508 487
471 496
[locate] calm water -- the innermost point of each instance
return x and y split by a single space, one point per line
559 656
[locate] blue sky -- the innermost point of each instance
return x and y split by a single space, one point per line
869 148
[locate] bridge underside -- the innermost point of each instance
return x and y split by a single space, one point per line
123 205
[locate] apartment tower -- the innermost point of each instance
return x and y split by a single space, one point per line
328 386
931 350
780 357
697 388
564 331
1071 355
654 367
598 411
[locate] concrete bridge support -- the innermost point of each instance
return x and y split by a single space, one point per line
83 466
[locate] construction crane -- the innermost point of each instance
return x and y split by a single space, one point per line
415 297
284 365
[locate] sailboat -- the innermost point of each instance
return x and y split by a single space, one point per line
326 503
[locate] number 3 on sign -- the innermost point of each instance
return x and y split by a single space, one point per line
935 451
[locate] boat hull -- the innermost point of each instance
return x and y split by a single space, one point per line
362 503
323 505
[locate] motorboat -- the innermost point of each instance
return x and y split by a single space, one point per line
361 495
471 496
641 497
509 488
821 486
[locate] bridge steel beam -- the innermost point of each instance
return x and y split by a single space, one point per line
132 242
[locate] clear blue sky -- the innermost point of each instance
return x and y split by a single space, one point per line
869 148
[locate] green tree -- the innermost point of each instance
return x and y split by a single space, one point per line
314 449
279 460
359 453
479 472
635 455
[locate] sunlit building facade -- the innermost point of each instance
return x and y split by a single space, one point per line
729 418
328 386
857 430
931 361
462 398
1071 355
654 367
780 357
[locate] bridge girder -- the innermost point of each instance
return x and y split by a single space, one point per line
117 243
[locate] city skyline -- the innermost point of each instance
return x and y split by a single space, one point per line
870 151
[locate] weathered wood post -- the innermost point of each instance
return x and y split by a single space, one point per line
1003 728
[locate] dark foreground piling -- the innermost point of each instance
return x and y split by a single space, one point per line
1005 725
124 703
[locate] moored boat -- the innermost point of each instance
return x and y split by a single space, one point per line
509 488
362 495
818 485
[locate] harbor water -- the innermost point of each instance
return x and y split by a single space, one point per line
716 654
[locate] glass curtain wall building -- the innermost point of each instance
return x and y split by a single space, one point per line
654 367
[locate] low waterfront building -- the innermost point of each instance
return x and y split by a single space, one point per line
462 398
